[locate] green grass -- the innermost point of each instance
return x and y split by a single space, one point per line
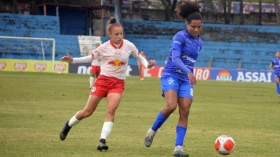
34 107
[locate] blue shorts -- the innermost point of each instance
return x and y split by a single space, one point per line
276 75
183 88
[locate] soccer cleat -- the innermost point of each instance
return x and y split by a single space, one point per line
149 137
179 152
102 145
64 131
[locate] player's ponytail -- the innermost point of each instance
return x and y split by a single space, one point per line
189 10
112 22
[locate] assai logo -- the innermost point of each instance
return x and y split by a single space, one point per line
2 65
224 75
59 67
40 66
117 63
20 66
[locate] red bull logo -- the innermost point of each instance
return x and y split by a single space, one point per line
20 66
224 75
2 65
59 67
117 63
40 67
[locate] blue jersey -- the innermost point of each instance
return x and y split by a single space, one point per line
276 66
183 54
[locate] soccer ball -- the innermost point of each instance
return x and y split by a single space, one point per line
224 145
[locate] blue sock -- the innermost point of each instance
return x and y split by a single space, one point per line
159 121
180 135
278 88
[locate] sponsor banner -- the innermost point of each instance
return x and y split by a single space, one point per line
200 73
32 66
241 75
133 70
84 68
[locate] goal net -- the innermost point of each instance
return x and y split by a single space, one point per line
27 48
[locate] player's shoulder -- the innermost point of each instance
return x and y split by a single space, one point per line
128 43
181 33
179 37
200 41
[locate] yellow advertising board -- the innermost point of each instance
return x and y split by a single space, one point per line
19 65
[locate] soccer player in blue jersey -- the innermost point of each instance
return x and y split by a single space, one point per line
275 65
177 79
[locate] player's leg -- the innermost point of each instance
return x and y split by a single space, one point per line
113 101
91 105
277 81
92 75
169 88
184 102
142 68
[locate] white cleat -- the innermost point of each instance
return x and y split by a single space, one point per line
179 152
149 137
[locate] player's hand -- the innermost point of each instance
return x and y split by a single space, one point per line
192 79
67 58
151 64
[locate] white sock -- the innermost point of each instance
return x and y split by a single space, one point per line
73 121
91 79
107 127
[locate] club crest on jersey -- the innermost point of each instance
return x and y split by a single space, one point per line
118 53
117 63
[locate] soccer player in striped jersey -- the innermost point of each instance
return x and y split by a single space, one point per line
114 56
178 79
275 65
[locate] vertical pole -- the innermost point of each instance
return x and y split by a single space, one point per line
45 10
53 55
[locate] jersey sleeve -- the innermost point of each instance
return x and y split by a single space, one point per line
96 52
177 46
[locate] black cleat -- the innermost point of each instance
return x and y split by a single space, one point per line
102 145
64 131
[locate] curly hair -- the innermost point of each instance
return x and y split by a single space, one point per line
189 10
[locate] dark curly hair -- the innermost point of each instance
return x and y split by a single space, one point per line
189 10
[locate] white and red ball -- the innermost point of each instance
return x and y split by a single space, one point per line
224 145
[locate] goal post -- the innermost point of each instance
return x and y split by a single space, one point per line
27 45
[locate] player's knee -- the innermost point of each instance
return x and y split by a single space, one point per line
87 113
184 113
111 112
171 107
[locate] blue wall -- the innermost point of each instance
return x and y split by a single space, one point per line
226 46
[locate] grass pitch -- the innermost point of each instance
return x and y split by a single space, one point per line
34 107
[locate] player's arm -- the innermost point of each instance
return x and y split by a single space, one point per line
141 59
86 59
177 46
270 66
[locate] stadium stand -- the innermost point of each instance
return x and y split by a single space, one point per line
226 46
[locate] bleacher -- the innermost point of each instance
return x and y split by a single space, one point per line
225 46
38 27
